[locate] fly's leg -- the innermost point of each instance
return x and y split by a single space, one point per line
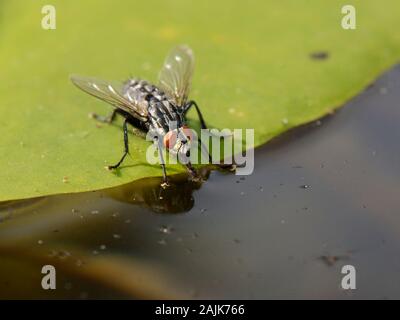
126 147
108 119
193 103
162 163
192 172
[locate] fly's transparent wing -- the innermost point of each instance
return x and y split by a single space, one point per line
176 74
111 93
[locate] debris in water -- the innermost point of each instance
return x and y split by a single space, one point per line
304 186
331 260
103 247
59 254
95 212
40 242
116 236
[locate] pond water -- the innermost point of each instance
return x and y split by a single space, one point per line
321 197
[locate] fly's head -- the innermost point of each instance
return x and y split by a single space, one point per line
178 142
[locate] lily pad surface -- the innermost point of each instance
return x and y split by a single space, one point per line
262 65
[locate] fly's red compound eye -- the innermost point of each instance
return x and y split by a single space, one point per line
170 139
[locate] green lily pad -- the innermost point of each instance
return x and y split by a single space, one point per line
267 65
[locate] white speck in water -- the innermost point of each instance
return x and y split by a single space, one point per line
95 212
103 247
115 215
116 236
304 186
166 229
40 242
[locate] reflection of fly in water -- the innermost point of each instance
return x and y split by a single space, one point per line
177 198
153 108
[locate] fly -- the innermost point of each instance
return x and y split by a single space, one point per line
152 108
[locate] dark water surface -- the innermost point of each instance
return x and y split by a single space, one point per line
321 197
